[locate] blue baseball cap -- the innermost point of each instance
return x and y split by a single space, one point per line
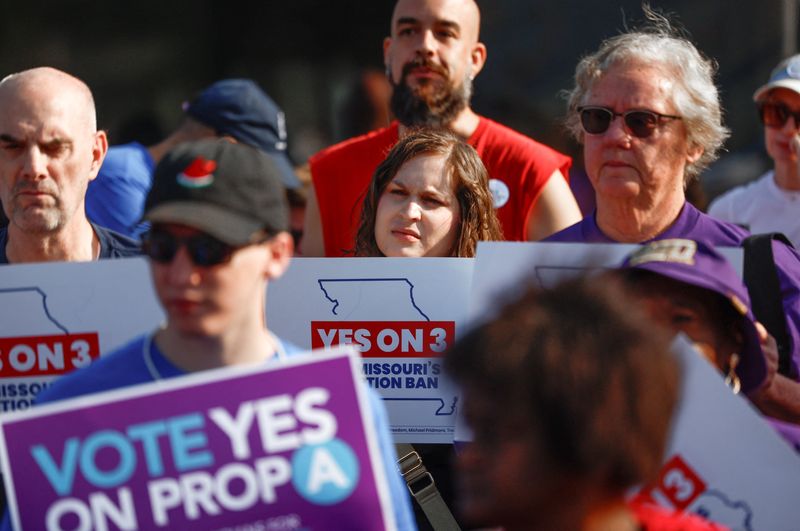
240 109
699 264
785 75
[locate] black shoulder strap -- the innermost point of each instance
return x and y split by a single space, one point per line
764 288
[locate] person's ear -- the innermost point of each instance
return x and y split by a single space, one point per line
280 248
99 150
477 59
694 153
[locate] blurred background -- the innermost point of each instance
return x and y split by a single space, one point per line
321 60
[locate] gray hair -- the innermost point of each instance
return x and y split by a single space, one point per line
695 96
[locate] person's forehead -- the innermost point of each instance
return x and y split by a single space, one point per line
50 114
426 169
637 81
463 13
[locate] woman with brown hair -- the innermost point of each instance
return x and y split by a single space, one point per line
429 197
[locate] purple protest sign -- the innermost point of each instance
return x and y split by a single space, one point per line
282 447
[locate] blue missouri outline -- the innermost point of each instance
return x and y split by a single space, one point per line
439 412
748 521
44 303
400 279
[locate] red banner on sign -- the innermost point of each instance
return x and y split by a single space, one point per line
47 355
386 339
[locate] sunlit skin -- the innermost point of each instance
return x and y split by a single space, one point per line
220 305
49 151
681 307
445 33
778 140
418 213
639 182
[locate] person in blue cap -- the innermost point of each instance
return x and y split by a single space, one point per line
235 108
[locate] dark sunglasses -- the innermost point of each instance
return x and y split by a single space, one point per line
597 120
204 250
776 114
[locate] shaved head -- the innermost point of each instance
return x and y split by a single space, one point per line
46 82
50 149
464 12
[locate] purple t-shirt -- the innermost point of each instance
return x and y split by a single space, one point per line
694 225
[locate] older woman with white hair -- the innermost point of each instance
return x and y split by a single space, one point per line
647 112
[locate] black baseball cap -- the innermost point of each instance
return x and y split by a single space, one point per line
240 109
228 190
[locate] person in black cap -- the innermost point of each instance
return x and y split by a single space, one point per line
236 108
219 235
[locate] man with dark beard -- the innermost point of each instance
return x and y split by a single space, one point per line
432 57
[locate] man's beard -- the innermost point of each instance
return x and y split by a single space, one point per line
36 218
432 104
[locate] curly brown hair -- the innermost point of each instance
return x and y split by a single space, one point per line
593 382
470 179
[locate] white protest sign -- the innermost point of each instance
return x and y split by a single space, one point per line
56 317
504 269
723 461
400 313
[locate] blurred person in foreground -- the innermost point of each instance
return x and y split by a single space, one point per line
569 395
772 202
50 149
689 287
218 237
432 57
429 197
647 112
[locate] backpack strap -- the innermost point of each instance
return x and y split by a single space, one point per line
421 485
764 288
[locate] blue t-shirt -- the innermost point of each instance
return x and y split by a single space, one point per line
115 199
112 244
128 366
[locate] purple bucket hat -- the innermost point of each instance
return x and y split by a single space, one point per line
699 264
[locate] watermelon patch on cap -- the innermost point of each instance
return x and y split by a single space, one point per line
198 174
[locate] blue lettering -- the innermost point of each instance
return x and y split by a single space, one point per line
148 433
60 478
116 476
183 442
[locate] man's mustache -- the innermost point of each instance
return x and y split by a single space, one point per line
421 62
39 187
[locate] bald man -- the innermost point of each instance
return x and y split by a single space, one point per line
431 57
50 149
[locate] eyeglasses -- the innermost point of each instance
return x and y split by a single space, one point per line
204 250
597 120
776 114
